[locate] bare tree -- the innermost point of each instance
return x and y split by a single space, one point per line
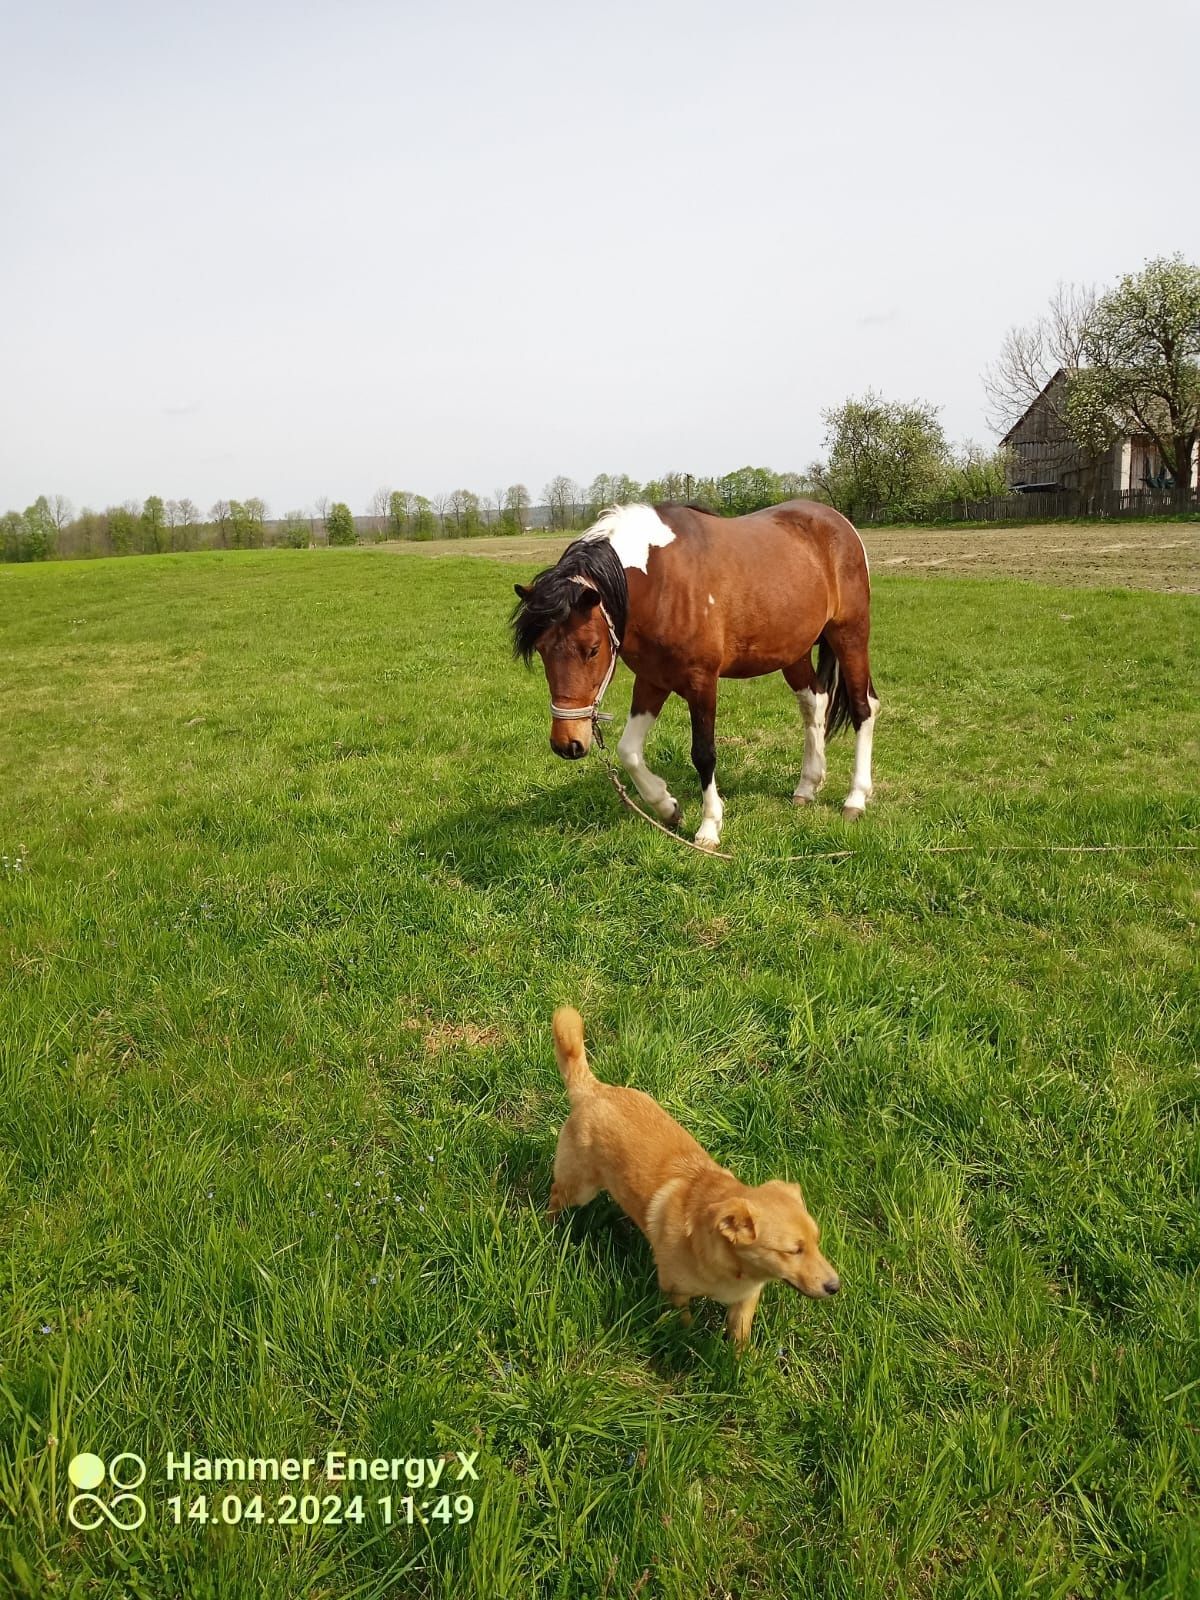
61 511
321 506
378 508
189 516
171 516
221 515
561 496
1030 357
516 504
441 505
1045 361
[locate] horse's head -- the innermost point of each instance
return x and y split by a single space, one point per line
568 626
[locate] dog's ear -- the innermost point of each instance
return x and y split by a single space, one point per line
735 1221
521 592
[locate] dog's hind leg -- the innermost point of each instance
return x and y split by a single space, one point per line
573 1184
740 1316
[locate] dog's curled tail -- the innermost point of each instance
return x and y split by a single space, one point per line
568 1048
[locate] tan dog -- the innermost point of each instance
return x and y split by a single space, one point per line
710 1234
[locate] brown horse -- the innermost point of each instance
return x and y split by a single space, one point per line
686 598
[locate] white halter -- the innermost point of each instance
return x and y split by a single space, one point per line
577 713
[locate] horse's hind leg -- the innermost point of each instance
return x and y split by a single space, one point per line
849 643
813 703
648 701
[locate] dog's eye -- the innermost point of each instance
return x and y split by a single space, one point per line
799 1250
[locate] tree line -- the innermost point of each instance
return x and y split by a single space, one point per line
878 448
1131 359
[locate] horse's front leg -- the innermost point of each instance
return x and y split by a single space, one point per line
648 701
702 703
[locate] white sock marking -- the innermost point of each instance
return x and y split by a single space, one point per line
648 784
860 789
709 831
813 708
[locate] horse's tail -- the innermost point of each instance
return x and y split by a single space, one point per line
568 1048
831 681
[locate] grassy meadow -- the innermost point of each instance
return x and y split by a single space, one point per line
290 884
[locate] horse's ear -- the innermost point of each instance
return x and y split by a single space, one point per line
521 592
587 600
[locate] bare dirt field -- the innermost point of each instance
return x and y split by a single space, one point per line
1121 555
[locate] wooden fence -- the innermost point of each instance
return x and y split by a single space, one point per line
1051 506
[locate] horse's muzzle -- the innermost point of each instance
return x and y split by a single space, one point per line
571 751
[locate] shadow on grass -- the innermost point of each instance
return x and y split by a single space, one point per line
501 832
612 1247
488 838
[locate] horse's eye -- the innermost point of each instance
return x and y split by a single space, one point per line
594 651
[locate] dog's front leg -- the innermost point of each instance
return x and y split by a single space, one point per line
683 1302
740 1316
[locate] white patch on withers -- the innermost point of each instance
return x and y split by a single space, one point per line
633 531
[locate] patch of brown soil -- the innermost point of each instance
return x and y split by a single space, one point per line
1130 555
459 1036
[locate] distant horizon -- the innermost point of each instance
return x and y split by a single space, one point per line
319 252
278 513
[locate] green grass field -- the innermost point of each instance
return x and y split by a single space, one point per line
289 887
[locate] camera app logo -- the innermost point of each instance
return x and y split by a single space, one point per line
125 1472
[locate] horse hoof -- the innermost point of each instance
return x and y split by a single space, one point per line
706 844
803 799
676 816
852 813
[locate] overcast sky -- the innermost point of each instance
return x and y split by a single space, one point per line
296 249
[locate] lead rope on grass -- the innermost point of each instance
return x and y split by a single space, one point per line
841 855
628 800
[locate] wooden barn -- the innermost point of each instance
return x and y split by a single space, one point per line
1042 458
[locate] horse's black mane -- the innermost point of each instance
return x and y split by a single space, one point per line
549 597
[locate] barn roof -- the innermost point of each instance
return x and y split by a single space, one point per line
1127 425
1034 403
